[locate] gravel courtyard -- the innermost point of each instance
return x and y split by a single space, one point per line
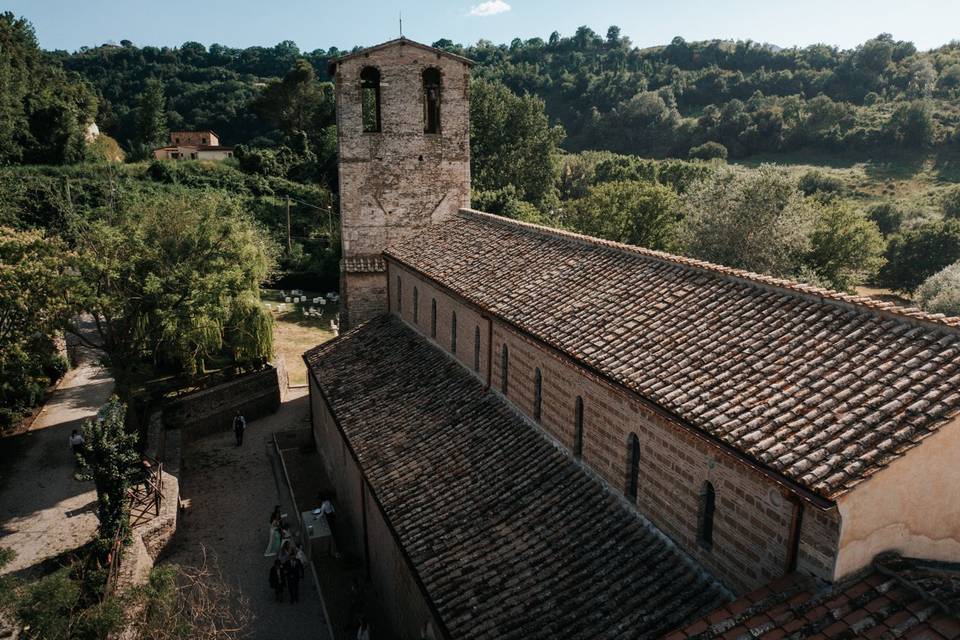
229 493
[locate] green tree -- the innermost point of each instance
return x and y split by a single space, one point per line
912 125
887 216
918 253
38 295
512 143
112 461
37 287
173 279
757 221
298 103
638 213
847 248
152 114
940 293
44 111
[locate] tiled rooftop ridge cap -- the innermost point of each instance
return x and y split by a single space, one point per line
401 41
889 310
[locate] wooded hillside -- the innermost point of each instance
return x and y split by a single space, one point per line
608 94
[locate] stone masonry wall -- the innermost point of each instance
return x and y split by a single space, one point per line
752 518
399 180
364 296
212 410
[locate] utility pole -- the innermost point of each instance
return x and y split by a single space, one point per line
289 243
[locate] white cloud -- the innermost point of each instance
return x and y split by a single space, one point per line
489 8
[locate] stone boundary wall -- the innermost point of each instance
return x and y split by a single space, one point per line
212 410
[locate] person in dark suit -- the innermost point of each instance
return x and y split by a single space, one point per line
277 579
239 426
295 573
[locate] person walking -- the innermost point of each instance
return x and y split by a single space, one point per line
295 573
277 579
76 442
239 426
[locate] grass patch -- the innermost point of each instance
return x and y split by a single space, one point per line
295 332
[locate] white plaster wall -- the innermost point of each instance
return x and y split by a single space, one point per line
912 506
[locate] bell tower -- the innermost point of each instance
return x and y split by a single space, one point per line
403 121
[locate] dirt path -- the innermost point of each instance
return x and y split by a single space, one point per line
44 510
230 492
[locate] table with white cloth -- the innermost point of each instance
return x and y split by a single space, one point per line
316 531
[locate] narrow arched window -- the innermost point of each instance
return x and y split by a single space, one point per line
431 100
633 467
537 394
476 349
708 499
416 305
370 99
453 332
399 295
433 318
578 428
504 366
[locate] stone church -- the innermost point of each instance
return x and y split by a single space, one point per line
538 434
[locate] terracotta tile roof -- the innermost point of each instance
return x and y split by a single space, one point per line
820 387
509 537
398 41
889 601
363 264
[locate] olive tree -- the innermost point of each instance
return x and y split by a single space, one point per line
940 293
758 221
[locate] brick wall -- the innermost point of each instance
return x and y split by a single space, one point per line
468 319
753 516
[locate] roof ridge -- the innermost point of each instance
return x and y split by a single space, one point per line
865 304
401 40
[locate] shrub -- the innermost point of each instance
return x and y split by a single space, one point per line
917 254
887 216
110 454
49 605
103 148
708 151
940 293
8 417
56 367
162 171
817 182
950 204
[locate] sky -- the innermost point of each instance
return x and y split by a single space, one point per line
316 24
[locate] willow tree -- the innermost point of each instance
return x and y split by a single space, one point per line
173 279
